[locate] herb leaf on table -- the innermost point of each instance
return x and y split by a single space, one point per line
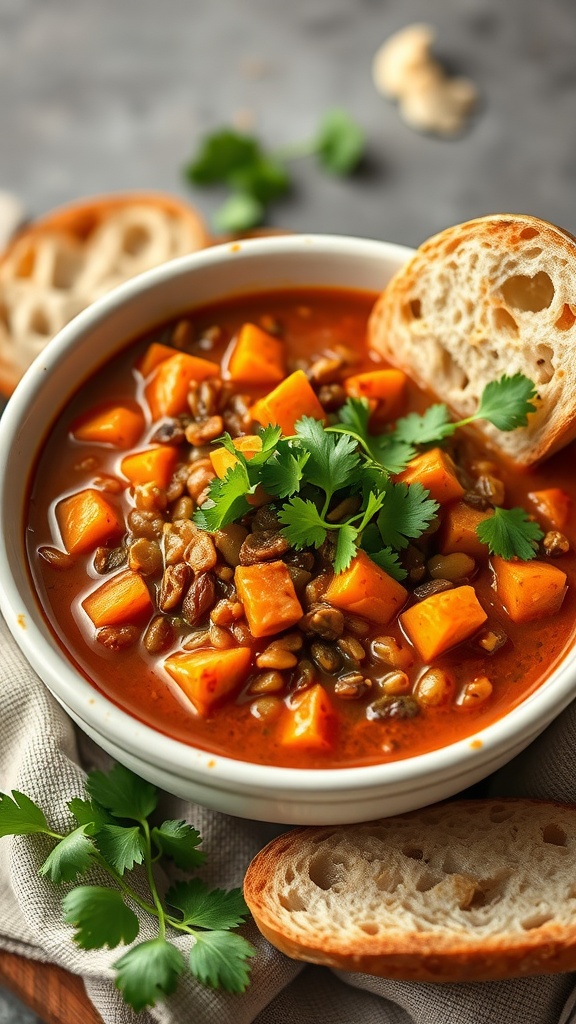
113 834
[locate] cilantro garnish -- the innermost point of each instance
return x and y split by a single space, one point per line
510 533
257 178
311 473
113 834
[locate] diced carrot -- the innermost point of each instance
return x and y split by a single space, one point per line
436 472
267 593
116 425
458 530
365 589
287 403
167 389
123 598
207 677
386 387
553 504
153 356
310 721
443 620
529 590
86 520
154 465
222 459
257 357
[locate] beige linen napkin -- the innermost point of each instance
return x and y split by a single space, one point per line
42 755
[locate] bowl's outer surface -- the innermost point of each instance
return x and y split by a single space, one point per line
295 796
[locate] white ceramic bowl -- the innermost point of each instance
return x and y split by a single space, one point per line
299 796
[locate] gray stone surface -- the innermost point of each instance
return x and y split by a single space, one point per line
115 94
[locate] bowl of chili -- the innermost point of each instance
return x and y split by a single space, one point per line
237 570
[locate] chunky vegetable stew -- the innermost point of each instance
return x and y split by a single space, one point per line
256 537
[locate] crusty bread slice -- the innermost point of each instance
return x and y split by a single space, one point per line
462 891
59 264
490 297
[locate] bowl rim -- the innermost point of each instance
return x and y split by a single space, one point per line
70 687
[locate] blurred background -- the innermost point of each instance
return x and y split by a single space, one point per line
107 96
118 95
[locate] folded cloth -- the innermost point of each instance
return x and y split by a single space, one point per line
44 756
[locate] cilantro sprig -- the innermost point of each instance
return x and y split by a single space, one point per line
311 474
256 178
112 833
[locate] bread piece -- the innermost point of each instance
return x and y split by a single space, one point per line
62 262
490 297
462 891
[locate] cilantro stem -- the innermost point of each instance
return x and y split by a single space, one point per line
161 913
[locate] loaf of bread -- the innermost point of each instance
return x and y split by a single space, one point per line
461 891
490 297
62 262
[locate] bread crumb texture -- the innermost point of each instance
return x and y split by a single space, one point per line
469 889
489 297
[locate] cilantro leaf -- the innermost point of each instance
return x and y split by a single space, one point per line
239 212
346 547
264 178
333 460
218 959
270 437
203 907
433 425
339 143
303 524
282 474
391 453
406 513
507 402
71 857
509 532
386 450
226 500
148 972
121 846
388 560
20 816
178 840
222 154
100 916
122 793
88 812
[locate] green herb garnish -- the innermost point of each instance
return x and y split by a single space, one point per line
257 178
113 835
320 466
509 532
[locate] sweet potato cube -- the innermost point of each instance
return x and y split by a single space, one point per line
222 459
155 354
267 593
257 357
458 530
385 387
529 590
436 472
443 620
154 465
86 520
208 677
365 589
123 598
116 425
291 400
309 722
553 504
167 390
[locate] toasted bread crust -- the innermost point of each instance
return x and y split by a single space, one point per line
492 296
434 943
70 227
